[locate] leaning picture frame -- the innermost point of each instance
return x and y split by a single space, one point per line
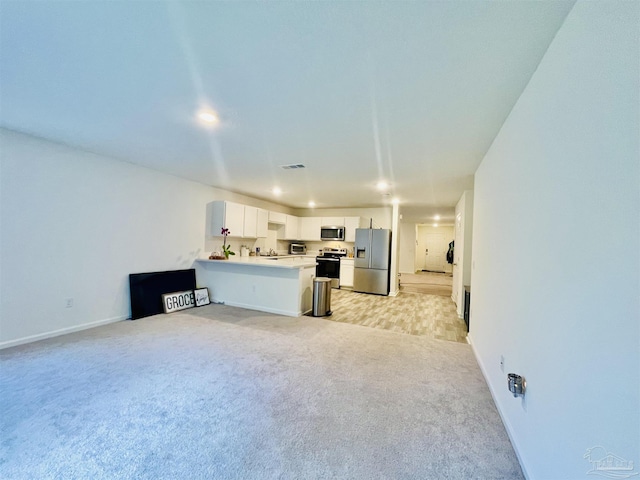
176 301
202 296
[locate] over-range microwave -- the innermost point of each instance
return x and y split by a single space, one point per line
332 232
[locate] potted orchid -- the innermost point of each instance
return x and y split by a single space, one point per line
226 249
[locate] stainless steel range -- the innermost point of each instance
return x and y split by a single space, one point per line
328 264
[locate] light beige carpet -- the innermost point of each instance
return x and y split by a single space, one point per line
224 393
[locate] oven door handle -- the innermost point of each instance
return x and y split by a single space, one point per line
328 259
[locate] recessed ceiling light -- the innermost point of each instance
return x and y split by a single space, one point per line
382 185
437 217
276 191
209 117
312 204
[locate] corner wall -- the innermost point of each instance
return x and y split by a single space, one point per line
407 248
556 287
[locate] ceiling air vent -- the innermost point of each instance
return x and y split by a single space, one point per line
293 166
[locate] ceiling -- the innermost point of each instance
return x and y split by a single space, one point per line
409 92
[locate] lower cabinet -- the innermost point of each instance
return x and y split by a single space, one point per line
306 289
346 272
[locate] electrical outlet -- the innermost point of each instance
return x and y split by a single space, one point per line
502 362
69 303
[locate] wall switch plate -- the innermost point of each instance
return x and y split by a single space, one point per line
502 362
69 302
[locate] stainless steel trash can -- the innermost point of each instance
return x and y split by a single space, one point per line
321 297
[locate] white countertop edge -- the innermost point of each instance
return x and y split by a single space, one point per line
284 262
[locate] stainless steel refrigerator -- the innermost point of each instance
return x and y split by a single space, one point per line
372 260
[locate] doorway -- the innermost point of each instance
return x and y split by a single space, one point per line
432 244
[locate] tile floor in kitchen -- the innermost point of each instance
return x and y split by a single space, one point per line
411 313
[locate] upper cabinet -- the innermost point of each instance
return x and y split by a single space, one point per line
350 225
250 221
310 228
291 228
332 221
262 226
227 215
277 217
241 220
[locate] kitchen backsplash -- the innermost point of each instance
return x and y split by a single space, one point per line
265 244
214 244
315 247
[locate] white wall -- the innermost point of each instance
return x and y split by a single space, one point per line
407 247
554 291
75 225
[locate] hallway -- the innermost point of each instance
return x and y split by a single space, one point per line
430 283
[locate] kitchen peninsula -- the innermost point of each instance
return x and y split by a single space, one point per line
282 285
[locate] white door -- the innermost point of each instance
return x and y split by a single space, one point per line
421 250
435 252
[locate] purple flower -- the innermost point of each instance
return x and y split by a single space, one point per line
227 250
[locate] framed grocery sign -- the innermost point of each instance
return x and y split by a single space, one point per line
176 301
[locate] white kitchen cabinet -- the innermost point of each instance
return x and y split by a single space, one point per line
350 225
277 217
291 228
310 228
250 222
262 226
227 215
346 272
332 221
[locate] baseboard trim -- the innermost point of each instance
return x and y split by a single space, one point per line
61 331
286 313
505 421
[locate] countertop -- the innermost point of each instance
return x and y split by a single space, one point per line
293 261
